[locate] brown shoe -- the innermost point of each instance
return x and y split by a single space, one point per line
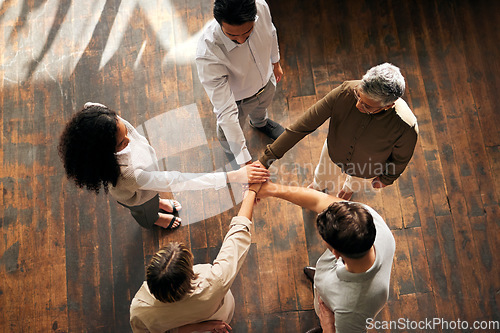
315 330
309 272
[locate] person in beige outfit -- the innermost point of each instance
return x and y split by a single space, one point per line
179 297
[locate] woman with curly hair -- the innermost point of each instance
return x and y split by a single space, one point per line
100 149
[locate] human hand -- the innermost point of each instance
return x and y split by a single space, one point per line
267 189
251 173
376 183
247 163
259 164
346 195
278 71
326 317
255 187
216 326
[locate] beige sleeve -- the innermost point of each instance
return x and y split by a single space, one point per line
233 251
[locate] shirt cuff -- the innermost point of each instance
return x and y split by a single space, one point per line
268 157
241 220
243 157
220 180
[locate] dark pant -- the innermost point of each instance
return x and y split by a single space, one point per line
254 107
147 213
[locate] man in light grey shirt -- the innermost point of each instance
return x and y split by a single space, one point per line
353 275
238 64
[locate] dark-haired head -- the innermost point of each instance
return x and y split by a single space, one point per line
87 148
235 12
348 228
170 273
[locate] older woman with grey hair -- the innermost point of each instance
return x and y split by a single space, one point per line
371 137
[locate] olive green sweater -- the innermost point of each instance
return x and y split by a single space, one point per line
363 145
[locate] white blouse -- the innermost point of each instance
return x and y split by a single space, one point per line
141 178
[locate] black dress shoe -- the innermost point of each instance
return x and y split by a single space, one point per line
309 272
272 129
315 330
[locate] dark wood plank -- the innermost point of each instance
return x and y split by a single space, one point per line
250 290
262 236
402 274
71 261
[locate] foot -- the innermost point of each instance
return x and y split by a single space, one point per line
170 206
345 195
168 221
309 272
272 129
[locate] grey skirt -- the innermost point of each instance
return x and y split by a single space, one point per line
147 213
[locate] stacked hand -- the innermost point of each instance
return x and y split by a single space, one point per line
263 190
255 177
250 173
266 190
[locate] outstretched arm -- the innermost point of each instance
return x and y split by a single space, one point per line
313 118
236 242
251 173
304 197
174 181
246 208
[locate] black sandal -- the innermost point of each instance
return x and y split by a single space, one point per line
171 223
174 209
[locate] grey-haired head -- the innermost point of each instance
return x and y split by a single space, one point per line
383 83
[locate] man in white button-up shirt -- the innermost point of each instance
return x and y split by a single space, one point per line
238 64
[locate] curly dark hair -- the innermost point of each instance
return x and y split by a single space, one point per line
347 227
87 148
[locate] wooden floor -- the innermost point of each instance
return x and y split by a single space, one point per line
71 261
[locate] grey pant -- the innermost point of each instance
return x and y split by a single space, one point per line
253 107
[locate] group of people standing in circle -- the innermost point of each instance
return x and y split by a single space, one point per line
371 137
